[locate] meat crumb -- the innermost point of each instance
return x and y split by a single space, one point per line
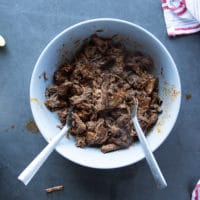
44 76
55 188
188 96
59 126
101 84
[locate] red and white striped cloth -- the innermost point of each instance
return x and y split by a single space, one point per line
196 192
181 16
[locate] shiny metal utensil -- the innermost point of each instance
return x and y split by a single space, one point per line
35 165
153 165
2 41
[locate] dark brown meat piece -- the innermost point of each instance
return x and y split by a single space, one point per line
54 103
78 125
99 136
62 114
139 62
61 75
151 85
101 83
80 141
77 99
91 125
64 89
114 130
52 89
109 147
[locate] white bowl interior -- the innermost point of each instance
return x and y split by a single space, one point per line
135 38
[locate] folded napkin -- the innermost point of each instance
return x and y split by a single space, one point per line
181 16
196 192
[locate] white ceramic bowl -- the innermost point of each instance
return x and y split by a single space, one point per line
135 38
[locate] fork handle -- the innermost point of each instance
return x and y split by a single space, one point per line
153 165
35 165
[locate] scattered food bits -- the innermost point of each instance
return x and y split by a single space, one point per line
175 93
170 91
37 101
2 41
13 126
166 83
44 76
76 42
53 189
99 30
188 96
161 71
159 131
31 126
160 123
68 135
59 126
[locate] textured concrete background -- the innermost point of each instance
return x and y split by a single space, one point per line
28 26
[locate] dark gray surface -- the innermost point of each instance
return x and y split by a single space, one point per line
28 26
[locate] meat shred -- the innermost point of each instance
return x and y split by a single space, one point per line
100 84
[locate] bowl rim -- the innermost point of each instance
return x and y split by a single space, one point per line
154 148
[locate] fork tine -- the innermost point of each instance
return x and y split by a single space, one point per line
134 108
69 115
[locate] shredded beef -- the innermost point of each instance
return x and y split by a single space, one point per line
100 83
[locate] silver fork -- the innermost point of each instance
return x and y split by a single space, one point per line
153 165
38 161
